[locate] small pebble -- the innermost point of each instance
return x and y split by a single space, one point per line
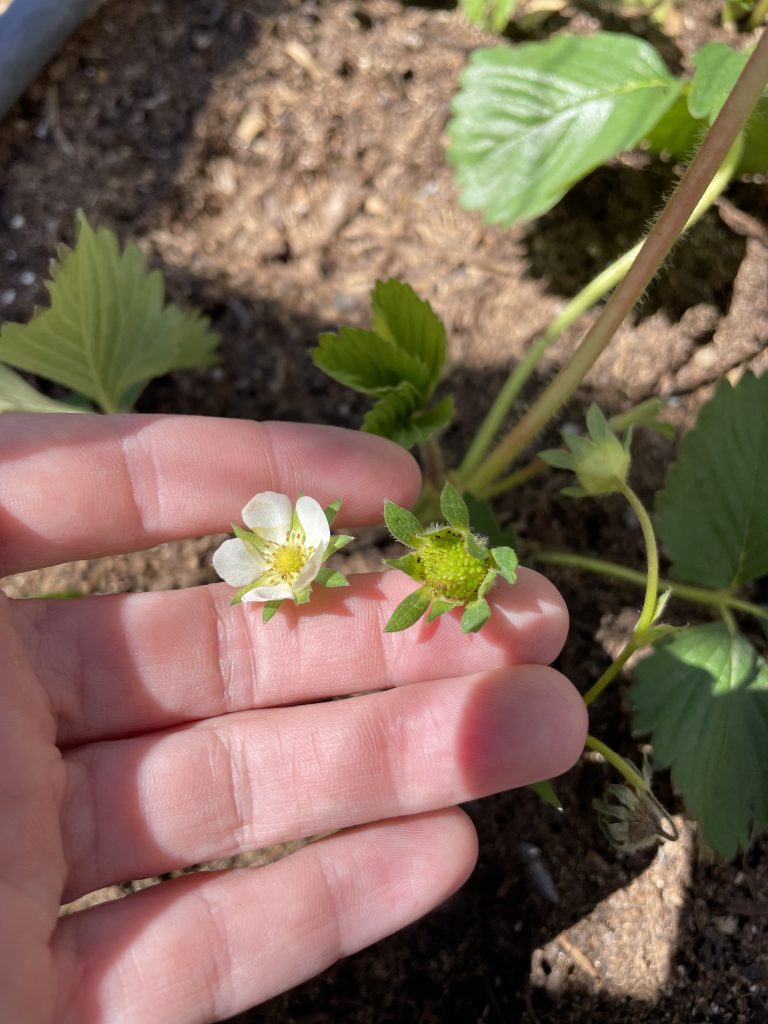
11 255
17 222
7 297
27 278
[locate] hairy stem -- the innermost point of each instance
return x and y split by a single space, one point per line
611 672
652 558
619 763
717 599
758 15
706 176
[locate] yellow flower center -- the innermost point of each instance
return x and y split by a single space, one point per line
288 560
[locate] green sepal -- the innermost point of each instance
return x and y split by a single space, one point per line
331 510
546 791
574 492
488 582
507 561
454 508
328 577
438 608
238 597
409 564
475 548
475 616
558 458
249 538
597 425
402 524
408 611
270 608
336 543
302 596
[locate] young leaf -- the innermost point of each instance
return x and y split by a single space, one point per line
328 577
531 120
475 616
454 508
408 611
507 561
712 513
107 329
492 15
717 68
16 395
409 322
676 134
400 417
703 696
402 524
370 363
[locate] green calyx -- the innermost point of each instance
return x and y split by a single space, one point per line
453 566
600 461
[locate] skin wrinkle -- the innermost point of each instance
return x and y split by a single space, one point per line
222 959
220 634
84 848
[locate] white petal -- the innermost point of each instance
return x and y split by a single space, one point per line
237 564
269 515
310 569
314 523
269 593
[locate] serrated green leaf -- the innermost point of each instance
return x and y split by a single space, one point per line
399 417
107 329
328 577
703 696
402 524
409 610
717 68
484 521
438 608
409 564
454 508
546 791
408 322
475 616
507 561
492 15
712 513
337 542
270 609
16 395
531 120
367 362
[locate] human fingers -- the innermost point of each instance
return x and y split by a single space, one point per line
142 806
82 486
231 940
135 662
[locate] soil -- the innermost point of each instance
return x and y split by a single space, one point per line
274 159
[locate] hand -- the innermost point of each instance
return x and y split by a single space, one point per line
144 732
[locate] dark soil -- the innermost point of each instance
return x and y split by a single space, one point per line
274 160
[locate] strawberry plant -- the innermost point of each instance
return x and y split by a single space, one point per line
528 122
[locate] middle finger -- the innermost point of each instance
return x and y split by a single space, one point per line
142 806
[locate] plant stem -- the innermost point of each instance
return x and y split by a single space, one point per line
611 672
706 176
580 303
433 462
652 558
619 763
717 599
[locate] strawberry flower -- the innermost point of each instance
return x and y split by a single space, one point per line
281 554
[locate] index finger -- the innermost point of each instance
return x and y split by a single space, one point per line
84 486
